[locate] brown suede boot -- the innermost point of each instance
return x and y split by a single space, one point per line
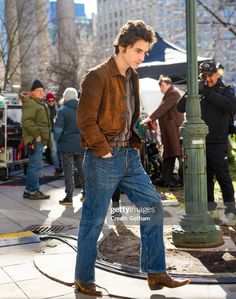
157 281
88 289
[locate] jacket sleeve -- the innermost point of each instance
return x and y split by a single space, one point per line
182 103
88 112
59 126
28 119
165 105
225 101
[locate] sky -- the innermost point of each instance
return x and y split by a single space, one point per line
90 6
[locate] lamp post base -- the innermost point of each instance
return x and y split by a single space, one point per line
199 239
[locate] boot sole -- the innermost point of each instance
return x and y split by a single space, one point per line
156 287
180 285
33 198
161 286
38 198
87 292
66 203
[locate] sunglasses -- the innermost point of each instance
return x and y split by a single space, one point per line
51 101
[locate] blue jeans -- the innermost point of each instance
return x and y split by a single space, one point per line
35 167
102 177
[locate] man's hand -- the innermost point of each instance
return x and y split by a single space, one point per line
109 155
145 121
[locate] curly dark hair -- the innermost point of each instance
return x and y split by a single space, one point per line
133 31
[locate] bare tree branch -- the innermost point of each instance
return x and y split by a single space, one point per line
225 24
11 44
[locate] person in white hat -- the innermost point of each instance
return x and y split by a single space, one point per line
67 135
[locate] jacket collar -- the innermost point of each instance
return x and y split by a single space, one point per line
114 68
41 102
170 89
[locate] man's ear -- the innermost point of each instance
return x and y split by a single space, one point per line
122 49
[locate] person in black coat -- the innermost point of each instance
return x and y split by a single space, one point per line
218 106
52 155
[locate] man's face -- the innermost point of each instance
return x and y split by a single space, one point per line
135 54
164 87
212 79
38 93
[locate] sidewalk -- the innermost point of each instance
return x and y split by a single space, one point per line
25 270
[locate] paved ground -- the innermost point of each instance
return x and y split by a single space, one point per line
35 270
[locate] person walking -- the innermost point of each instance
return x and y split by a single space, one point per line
108 110
50 99
67 135
36 126
218 104
169 121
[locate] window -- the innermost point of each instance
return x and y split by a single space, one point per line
176 24
168 25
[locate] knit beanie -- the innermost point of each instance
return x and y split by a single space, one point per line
50 96
36 84
70 94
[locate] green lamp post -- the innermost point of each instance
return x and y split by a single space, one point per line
196 229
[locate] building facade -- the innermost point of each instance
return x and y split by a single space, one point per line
168 18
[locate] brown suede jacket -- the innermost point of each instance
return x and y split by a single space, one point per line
102 108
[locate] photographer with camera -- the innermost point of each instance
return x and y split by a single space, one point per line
218 104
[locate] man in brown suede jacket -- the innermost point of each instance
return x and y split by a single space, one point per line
107 112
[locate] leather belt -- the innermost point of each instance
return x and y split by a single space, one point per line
119 143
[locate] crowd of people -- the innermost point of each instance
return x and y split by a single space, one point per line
94 132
